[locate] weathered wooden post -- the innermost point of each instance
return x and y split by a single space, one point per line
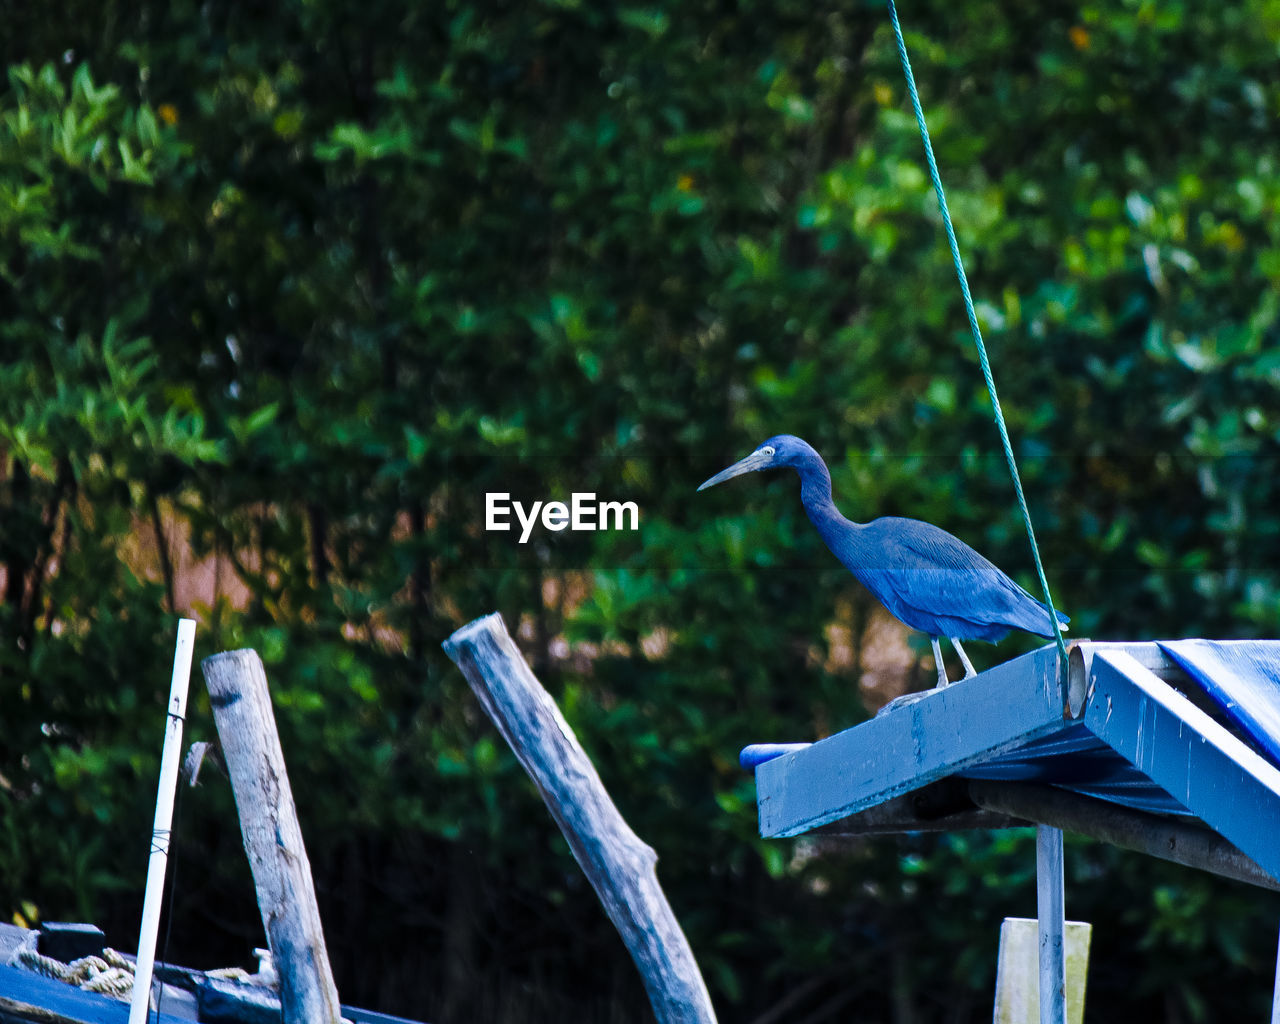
619 865
272 837
1018 974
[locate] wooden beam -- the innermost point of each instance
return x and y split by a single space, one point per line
939 734
942 806
1153 834
246 726
618 864
1197 761
1152 657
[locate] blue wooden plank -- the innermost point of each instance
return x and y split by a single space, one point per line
27 988
756 754
1216 776
912 745
1076 760
1243 678
358 1016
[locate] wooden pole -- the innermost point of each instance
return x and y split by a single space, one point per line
1192 845
1050 907
272 837
1018 971
618 864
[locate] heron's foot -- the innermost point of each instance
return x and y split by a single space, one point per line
905 699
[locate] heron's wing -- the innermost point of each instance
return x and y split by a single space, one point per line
936 582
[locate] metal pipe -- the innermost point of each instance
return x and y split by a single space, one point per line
171 754
1275 992
1051 911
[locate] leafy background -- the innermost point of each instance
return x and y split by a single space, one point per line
288 288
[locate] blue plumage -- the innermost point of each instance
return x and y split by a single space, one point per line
924 576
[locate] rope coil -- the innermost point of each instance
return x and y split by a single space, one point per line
987 376
110 974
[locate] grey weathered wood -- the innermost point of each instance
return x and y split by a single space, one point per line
1153 834
942 806
1018 972
618 864
272 836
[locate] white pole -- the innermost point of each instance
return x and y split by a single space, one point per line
169 759
1275 992
1050 905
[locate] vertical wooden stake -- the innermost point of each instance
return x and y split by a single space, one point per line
1018 971
1050 906
272 837
618 864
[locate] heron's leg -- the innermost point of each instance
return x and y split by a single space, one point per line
937 658
969 670
911 698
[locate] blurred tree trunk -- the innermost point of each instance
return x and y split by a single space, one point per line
459 935
419 580
162 548
904 1008
16 560
28 543
318 528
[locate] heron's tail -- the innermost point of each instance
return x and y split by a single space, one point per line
1046 629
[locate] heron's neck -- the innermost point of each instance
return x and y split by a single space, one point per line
815 494
815 488
846 539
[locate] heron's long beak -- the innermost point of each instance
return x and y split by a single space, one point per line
753 462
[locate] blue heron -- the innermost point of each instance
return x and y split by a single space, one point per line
925 577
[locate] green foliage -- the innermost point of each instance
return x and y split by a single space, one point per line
301 284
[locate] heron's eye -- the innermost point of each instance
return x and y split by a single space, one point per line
767 450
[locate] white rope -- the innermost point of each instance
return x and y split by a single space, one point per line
110 974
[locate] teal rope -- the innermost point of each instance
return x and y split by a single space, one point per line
973 325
